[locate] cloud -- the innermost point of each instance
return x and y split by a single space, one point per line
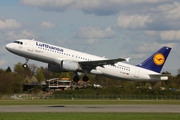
9 24
133 21
93 33
152 47
49 5
2 62
150 32
92 41
165 17
149 47
13 35
170 35
97 7
146 49
161 20
168 11
155 18
3 51
46 25
141 55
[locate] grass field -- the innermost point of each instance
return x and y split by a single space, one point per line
89 102
89 116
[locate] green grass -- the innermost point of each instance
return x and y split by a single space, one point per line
89 102
89 116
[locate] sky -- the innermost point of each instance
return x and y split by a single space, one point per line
110 28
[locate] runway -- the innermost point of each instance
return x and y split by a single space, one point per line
93 108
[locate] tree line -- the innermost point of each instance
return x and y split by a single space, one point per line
12 81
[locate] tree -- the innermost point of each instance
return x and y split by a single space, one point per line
8 69
32 68
18 68
10 83
47 74
39 74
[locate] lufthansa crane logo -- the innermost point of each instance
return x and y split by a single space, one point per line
159 59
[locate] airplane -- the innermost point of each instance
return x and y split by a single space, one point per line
61 59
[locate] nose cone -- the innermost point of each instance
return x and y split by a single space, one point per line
9 47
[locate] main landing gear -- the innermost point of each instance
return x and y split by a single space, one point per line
25 64
76 78
85 78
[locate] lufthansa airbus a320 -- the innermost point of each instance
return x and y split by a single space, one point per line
61 59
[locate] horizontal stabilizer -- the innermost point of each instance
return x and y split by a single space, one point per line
159 76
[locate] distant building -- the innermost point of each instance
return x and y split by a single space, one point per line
56 84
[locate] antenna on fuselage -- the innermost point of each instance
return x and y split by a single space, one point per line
33 39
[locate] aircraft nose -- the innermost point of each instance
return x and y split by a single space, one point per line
9 47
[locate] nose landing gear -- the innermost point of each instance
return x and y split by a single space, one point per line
25 64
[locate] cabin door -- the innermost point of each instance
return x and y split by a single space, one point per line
31 46
136 75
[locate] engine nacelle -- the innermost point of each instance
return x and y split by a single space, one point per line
54 68
64 65
70 65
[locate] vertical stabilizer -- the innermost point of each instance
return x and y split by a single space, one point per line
156 61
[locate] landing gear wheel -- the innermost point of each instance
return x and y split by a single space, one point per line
25 65
85 78
76 78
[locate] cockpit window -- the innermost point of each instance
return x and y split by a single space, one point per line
18 42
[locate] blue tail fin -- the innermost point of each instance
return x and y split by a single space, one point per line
156 61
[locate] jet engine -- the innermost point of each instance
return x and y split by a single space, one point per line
54 68
70 65
64 65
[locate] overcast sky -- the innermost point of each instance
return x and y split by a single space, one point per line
111 28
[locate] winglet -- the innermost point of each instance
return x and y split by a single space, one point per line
127 59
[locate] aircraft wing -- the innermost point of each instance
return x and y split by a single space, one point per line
95 63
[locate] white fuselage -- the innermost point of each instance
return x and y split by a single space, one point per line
47 53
